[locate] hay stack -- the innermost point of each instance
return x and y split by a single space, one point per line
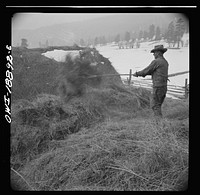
41 124
76 75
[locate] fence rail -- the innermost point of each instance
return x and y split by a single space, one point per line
174 90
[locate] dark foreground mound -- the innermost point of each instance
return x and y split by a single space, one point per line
35 74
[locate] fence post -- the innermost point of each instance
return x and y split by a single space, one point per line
130 74
186 89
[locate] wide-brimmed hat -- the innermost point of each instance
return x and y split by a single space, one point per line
159 48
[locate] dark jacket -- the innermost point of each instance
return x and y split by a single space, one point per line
158 69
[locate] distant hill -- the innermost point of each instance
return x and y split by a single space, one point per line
69 33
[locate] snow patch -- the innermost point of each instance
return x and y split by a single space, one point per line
60 55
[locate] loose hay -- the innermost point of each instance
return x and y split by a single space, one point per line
34 128
123 160
74 77
71 142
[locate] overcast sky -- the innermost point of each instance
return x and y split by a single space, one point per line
36 20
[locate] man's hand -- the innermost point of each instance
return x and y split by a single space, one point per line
135 74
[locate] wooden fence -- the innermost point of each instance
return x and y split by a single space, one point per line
174 90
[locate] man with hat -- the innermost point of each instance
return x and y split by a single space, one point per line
158 69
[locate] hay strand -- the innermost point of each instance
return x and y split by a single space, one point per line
22 178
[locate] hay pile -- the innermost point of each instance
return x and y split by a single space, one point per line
113 156
71 103
85 72
47 118
36 125
35 74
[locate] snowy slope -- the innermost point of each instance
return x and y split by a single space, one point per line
136 59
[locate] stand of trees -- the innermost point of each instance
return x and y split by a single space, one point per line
172 34
175 31
153 33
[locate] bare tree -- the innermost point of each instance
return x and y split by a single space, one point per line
24 43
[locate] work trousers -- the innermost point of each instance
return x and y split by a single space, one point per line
159 94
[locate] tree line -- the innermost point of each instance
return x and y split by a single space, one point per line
172 34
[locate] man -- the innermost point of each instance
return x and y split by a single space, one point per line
159 71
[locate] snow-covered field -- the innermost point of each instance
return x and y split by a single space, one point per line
136 59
